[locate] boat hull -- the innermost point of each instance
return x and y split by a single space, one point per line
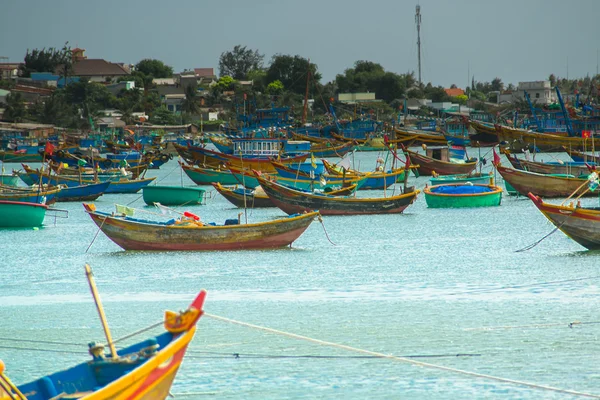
148 236
172 195
14 214
491 198
293 201
207 176
541 185
580 224
238 200
427 166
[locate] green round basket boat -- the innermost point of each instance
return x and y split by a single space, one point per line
16 214
461 195
173 195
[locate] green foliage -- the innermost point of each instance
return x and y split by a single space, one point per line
224 83
367 76
275 87
154 68
436 93
258 78
162 116
54 110
461 99
47 61
239 62
15 110
292 72
190 104
88 98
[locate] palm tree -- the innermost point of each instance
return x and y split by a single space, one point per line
190 104
15 108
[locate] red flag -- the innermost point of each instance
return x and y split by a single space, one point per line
49 149
586 134
386 139
245 97
496 157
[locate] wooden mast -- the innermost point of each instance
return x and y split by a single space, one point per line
90 278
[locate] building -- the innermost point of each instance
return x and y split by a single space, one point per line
9 70
454 92
540 92
96 69
352 98
205 75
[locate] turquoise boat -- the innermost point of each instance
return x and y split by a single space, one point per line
459 178
9 180
173 195
17 214
462 195
208 176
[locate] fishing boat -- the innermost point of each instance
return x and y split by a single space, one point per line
85 192
520 139
463 195
548 186
580 156
189 233
244 198
120 186
207 158
438 160
410 137
549 168
207 176
374 180
172 195
459 178
582 224
331 149
486 134
19 214
9 180
294 201
40 195
19 156
142 371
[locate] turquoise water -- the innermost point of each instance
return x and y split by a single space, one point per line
437 282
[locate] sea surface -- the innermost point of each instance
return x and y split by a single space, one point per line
445 287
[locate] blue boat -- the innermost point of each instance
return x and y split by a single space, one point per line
85 192
129 185
30 195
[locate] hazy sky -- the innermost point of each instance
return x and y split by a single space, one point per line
516 40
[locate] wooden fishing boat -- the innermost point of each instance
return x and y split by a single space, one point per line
86 192
172 195
582 224
547 168
581 156
441 165
142 371
40 195
331 149
191 234
462 195
520 139
541 185
18 214
485 134
121 186
410 137
244 198
459 178
294 201
207 158
19 156
103 175
9 180
374 180
207 176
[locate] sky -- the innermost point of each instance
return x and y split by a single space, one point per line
515 40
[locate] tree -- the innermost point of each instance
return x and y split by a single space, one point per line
292 72
15 108
46 60
88 98
367 76
552 79
497 85
275 87
162 116
190 104
154 68
53 110
239 62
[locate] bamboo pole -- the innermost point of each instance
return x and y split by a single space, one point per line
90 278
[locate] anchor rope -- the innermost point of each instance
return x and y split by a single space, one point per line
404 359
190 354
563 324
325 230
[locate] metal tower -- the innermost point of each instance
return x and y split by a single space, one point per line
418 21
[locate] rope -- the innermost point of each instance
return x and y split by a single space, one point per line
404 359
190 354
325 230
44 350
41 342
532 245
97 232
563 324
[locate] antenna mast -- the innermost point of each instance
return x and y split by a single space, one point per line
418 21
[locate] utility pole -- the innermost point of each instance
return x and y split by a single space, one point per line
418 21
